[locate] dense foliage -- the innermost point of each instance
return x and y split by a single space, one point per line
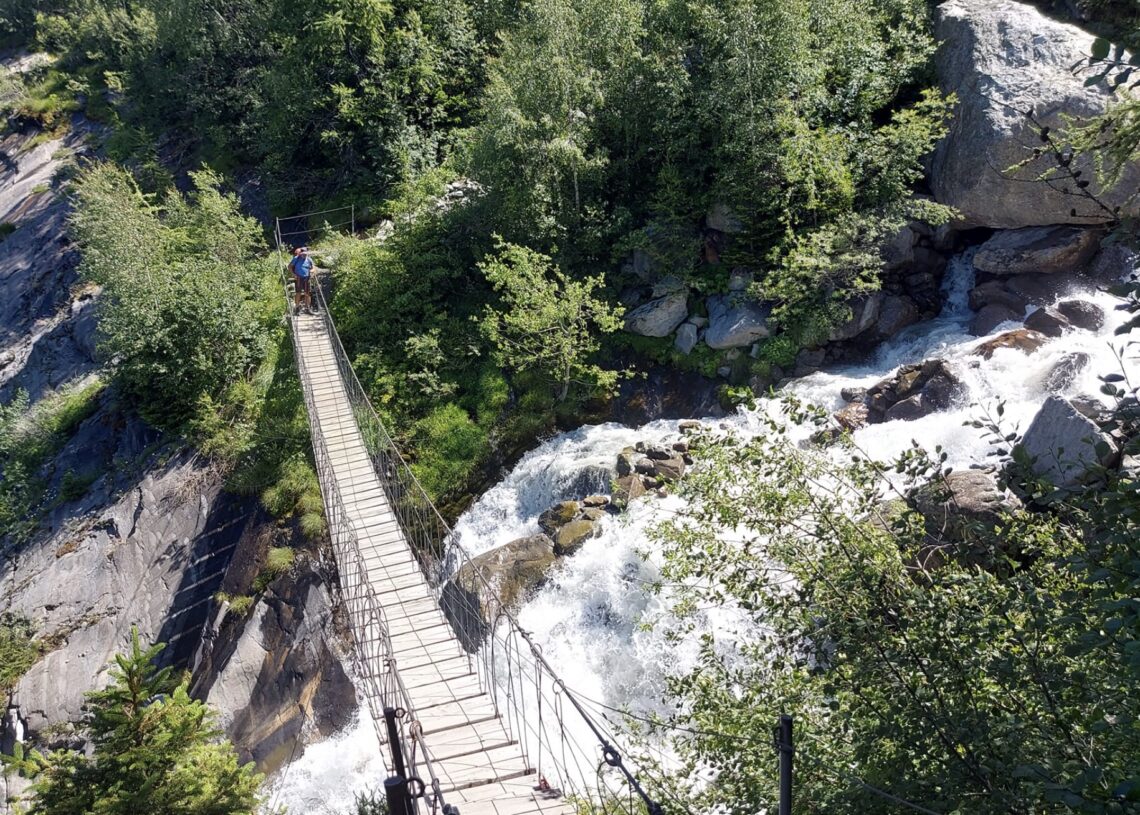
178 311
154 750
547 322
958 666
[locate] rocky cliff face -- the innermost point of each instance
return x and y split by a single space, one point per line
154 536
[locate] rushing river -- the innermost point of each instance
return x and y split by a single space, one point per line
589 618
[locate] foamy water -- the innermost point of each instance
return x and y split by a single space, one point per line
590 618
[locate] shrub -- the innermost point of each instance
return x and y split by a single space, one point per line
18 650
190 263
74 486
449 446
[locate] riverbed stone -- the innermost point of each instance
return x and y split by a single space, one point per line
1024 340
1063 444
574 535
1065 371
1082 314
502 578
990 317
557 516
994 293
1049 321
670 469
913 391
628 488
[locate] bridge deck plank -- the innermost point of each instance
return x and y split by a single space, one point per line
480 767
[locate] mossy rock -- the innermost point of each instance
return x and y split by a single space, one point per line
573 536
557 517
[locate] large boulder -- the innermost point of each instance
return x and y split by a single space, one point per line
735 321
994 293
1003 59
990 317
896 313
1037 250
963 506
499 579
864 315
1061 444
660 317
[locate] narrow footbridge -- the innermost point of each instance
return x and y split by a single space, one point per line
465 705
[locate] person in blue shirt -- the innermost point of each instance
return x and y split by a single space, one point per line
302 268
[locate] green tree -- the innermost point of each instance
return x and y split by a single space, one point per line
179 316
156 750
546 321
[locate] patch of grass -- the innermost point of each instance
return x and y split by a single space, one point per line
48 99
29 436
39 189
278 562
242 604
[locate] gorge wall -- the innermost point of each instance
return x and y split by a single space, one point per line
149 535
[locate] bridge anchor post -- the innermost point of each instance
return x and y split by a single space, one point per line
399 799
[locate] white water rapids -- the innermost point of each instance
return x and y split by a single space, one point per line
590 616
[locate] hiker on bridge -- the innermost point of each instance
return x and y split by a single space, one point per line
302 268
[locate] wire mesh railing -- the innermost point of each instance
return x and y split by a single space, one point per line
570 751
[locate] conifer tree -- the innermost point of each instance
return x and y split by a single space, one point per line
156 751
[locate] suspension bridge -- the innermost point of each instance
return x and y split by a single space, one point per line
466 708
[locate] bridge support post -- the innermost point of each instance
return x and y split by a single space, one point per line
787 753
399 799
395 745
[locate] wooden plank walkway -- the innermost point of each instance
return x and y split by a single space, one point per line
481 769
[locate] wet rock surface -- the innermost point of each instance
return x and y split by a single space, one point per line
1025 340
502 578
914 391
